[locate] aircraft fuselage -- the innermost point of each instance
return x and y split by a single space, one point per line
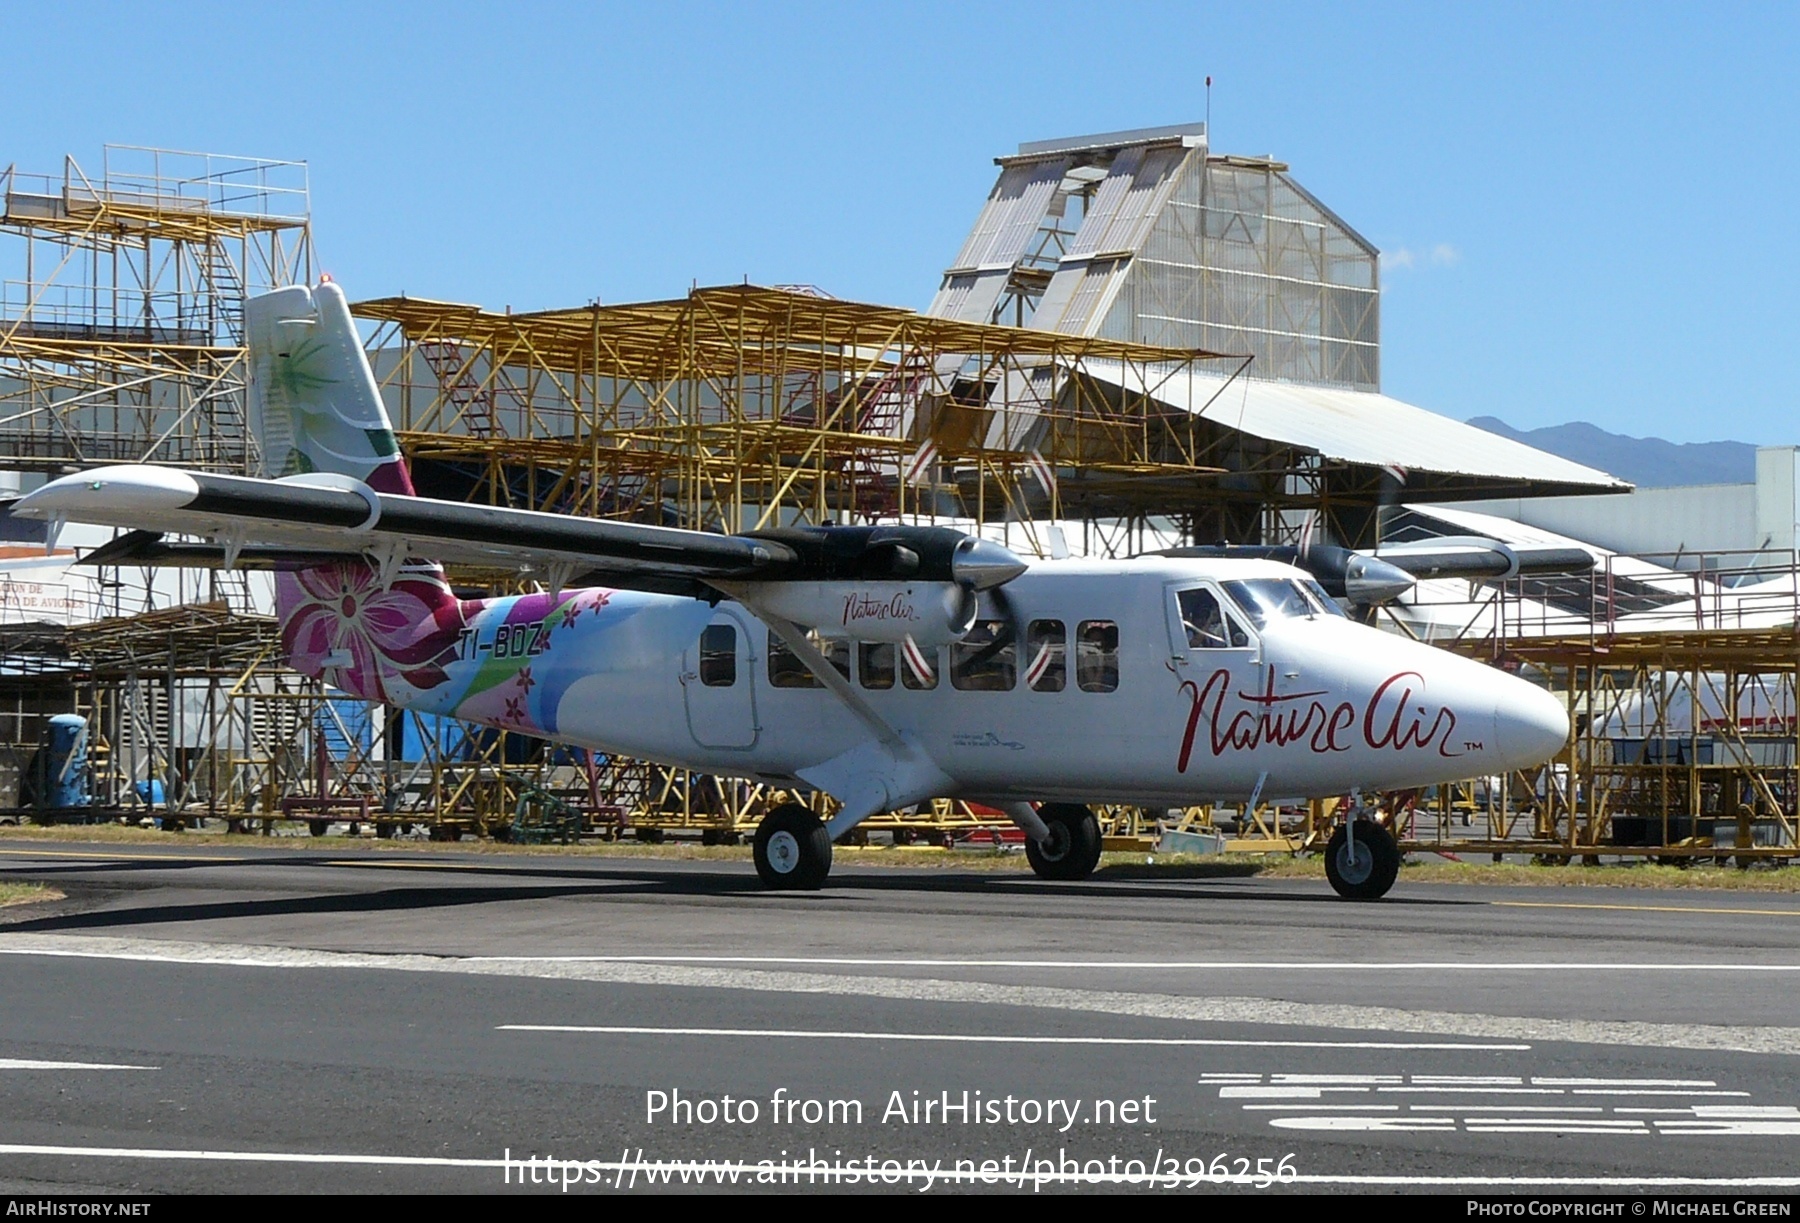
1105 695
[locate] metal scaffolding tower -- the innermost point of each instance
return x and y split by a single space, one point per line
121 299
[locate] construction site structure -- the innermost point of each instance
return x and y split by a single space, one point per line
1685 743
121 304
740 407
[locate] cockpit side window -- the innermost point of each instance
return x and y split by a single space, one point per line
1206 624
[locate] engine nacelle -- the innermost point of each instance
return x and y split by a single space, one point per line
931 613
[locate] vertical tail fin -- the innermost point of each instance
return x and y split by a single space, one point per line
314 405
384 633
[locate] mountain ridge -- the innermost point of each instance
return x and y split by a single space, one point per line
1648 462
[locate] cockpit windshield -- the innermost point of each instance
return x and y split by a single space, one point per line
1266 599
1325 601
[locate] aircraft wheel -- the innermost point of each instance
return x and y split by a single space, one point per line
792 849
1073 850
1371 872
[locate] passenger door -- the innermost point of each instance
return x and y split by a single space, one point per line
717 683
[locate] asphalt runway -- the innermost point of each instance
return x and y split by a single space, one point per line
214 1016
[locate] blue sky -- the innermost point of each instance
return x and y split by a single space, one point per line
1586 208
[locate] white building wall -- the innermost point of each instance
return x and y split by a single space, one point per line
1777 494
1689 519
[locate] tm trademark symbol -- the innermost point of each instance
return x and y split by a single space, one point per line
1469 745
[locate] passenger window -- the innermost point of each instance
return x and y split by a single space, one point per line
875 664
920 669
787 671
718 656
986 659
1097 656
1206 624
1046 653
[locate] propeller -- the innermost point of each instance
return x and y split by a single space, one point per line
1393 483
1009 633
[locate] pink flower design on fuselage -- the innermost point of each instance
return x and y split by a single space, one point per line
403 633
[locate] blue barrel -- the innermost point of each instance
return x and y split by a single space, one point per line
66 769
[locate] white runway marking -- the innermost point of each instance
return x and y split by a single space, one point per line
1356 966
1186 1008
1304 1109
1517 1108
439 1161
1574 904
1313 1108
250 1157
997 1039
26 1063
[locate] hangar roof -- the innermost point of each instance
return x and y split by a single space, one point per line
1361 427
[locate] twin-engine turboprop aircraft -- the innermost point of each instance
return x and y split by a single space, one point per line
882 665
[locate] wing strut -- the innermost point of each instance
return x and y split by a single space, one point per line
876 775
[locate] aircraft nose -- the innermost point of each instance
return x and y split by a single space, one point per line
1531 724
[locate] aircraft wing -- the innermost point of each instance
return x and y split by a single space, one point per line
1479 558
1367 578
297 521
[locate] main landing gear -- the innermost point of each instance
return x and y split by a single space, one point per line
1362 863
792 849
1073 849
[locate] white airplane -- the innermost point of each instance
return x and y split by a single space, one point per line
883 665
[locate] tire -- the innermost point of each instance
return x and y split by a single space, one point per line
792 849
1376 866
318 827
1073 850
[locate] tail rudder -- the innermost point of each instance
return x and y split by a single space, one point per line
314 405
